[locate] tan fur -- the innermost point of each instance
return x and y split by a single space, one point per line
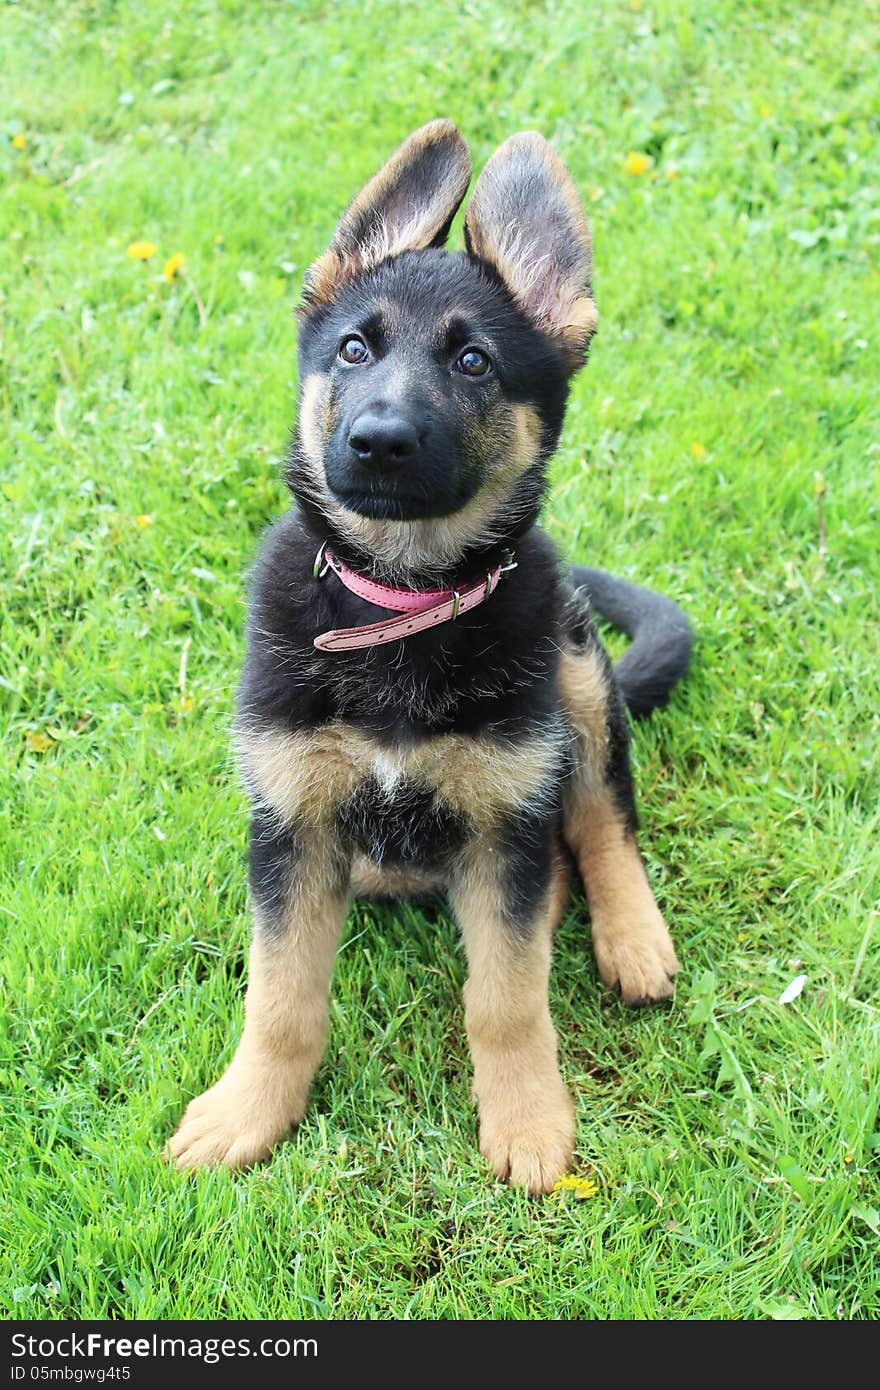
634 951
576 328
382 222
526 440
633 948
304 776
527 1124
324 279
560 888
583 690
313 421
265 1088
372 880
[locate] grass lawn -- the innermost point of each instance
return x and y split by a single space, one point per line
722 445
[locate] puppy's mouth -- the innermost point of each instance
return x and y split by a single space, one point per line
385 506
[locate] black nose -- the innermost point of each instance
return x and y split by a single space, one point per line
383 441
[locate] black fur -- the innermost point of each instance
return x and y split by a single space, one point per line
529 842
661 635
275 853
493 668
618 773
405 828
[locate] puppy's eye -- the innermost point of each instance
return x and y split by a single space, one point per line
473 362
353 350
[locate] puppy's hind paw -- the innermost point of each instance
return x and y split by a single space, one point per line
637 959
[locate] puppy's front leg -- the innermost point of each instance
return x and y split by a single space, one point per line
508 902
300 890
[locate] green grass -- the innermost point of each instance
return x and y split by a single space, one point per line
734 1138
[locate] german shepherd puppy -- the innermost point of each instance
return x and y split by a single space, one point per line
475 742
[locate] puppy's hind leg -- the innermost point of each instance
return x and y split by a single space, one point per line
300 892
633 948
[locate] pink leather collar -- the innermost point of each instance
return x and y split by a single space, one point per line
421 608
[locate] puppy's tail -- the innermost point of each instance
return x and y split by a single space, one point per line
660 634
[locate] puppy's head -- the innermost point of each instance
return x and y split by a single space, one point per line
433 384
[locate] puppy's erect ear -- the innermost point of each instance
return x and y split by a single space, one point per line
408 206
525 219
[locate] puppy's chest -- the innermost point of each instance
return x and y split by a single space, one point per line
396 815
407 803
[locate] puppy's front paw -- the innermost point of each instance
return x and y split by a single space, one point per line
636 958
235 1124
531 1144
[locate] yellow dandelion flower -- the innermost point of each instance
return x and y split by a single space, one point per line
672 172
173 266
764 111
142 250
143 521
18 141
581 1187
698 450
636 162
37 743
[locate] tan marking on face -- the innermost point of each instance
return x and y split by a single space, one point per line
422 547
527 1125
265 1088
305 776
526 438
314 419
